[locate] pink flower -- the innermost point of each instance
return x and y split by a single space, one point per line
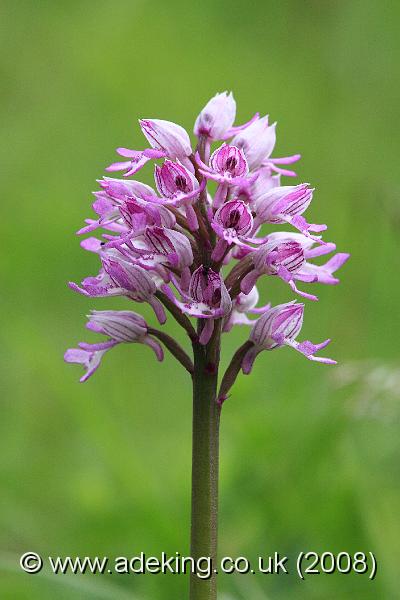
172 245
138 284
217 117
120 327
180 189
167 137
285 255
280 326
110 204
139 214
137 160
232 222
160 247
227 165
286 204
207 288
120 278
206 298
257 142
174 181
282 258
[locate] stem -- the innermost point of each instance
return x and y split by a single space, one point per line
233 279
173 346
232 371
203 195
206 415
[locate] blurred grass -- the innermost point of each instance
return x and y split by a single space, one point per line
104 468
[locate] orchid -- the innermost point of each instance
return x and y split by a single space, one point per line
194 247
227 166
286 204
279 326
217 117
257 142
121 326
285 255
232 222
166 139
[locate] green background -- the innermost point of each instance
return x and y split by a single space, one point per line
307 463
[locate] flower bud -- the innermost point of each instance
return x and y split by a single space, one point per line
167 137
257 142
217 117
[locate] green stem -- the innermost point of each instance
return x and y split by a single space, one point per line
206 414
173 346
232 371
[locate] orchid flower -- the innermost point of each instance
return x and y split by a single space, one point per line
228 167
231 222
285 204
257 142
179 188
206 298
122 326
167 139
285 255
279 326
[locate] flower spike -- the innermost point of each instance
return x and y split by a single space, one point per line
168 245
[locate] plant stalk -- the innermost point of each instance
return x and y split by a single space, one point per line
205 457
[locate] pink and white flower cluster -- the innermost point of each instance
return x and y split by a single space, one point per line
194 244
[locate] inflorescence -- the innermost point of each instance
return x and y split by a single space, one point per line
200 255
